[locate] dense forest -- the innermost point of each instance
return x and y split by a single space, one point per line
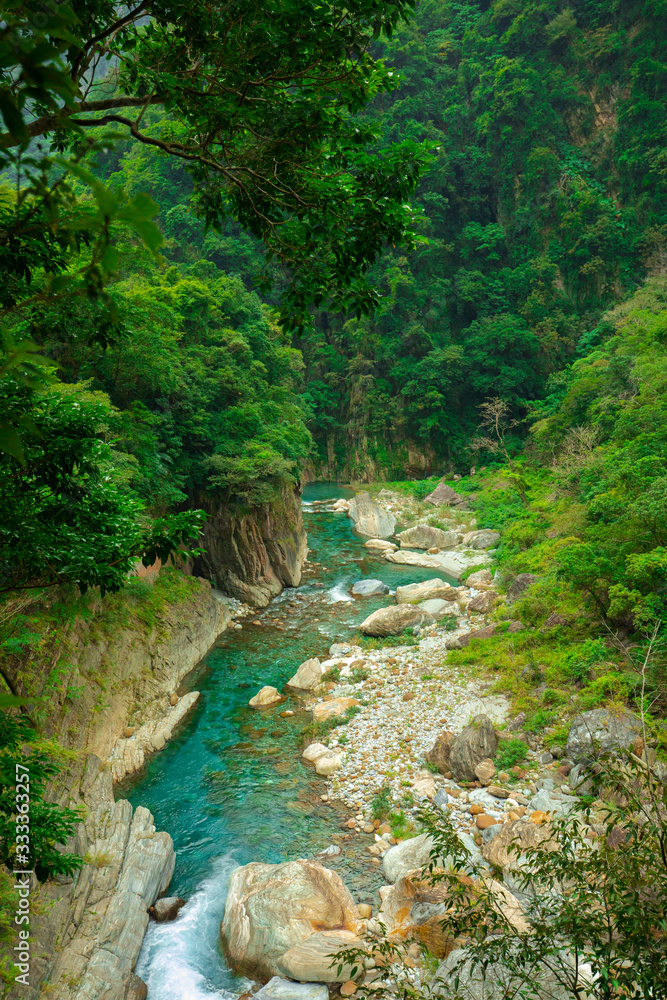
328 257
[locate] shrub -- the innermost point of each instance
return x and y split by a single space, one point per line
511 752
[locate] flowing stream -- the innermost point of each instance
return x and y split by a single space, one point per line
231 787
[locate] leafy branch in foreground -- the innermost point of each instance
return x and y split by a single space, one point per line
259 101
594 899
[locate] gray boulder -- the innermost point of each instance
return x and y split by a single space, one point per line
138 989
600 730
284 989
444 494
483 602
369 588
496 982
482 539
427 590
439 608
482 576
287 920
167 908
519 584
423 536
307 677
475 743
395 619
370 518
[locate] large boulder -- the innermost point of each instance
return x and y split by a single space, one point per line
273 909
370 588
335 707
286 989
423 536
600 730
307 677
514 839
438 608
481 539
427 590
408 856
475 743
380 545
166 908
444 494
266 697
415 853
495 981
438 755
453 563
483 602
395 619
520 583
370 518
313 959
413 909
479 579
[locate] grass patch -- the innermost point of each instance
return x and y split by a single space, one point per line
332 674
381 803
386 642
512 752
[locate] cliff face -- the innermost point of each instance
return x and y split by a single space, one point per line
252 556
107 673
355 454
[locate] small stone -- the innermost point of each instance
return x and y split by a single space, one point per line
287 714
409 696
266 697
173 699
476 809
348 989
503 776
385 828
130 731
368 828
539 817
498 793
485 770
483 822
365 910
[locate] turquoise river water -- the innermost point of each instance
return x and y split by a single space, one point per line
231 787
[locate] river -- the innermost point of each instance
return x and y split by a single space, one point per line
231 787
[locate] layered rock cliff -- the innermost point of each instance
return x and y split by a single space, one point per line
253 555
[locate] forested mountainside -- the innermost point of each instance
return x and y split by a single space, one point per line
544 204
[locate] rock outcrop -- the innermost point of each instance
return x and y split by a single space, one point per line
288 920
475 743
427 590
600 730
266 697
89 931
395 619
453 563
129 752
307 677
253 555
369 588
423 536
370 518
482 539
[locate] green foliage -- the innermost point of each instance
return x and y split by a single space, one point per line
593 907
385 642
511 752
50 825
359 674
537 215
64 517
381 803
